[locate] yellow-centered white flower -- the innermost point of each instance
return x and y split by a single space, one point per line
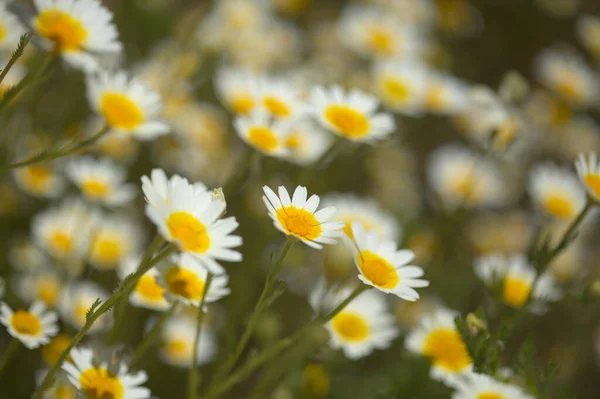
445 94
114 239
481 386
588 30
155 187
588 171
177 342
401 85
351 115
264 133
32 327
147 293
280 98
43 285
76 299
306 142
298 216
39 180
238 89
556 191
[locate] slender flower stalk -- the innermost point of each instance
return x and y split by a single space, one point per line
10 351
23 42
151 336
193 373
95 313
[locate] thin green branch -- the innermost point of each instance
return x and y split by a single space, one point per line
23 41
10 351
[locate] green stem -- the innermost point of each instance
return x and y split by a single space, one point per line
193 373
258 309
122 306
125 287
357 291
151 336
10 351
23 42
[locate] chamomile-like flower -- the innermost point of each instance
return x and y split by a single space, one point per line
588 171
96 379
10 27
556 190
80 30
481 386
76 299
115 238
437 338
127 105
39 180
517 277
280 98
100 180
191 220
263 133
32 327
238 89
350 115
155 187
53 349
306 141
61 389
401 85
383 266
184 278
147 293
445 94
298 217
568 76
351 208
365 324
177 343
43 285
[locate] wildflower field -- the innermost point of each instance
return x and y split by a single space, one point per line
362 199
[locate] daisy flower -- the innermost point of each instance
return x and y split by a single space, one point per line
42 285
100 180
184 278
96 379
306 142
53 349
351 208
401 84
114 239
517 276
588 171
155 187
437 338
588 30
351 115
11 29
177 343
61 389
445 94
280 98
481 386
263 133
238 89
75 301
127 105
39 180
568 76
147 293
556 190
382 266
32 327
80 30
299 218
364 325
191 220
64 231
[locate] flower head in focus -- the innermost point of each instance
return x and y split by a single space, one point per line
155 187
32 327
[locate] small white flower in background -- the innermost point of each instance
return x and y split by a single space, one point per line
11 29
307 142
82 31
352 115
298 216
588 170
445 94
43 285
77 298
401 85
62 387
556 191
437 338
192 220
264 133
95 379
184 278
481 386
32 327
147 293
127 105
114 239
39 180
383 266
280 98
588 30
516 276
155 187
101 180
238 89
177 342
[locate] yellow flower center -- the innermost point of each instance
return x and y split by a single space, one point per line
178 349
377 270
48 290
65 392
80 310
98 383
465 186
106 252
55 347
447 350
67 33
347 122
61 242
299 222
559 206
569 89
435 98
242 104
560 113
395 91
2 32
184 283
277 107
350 326
490 395
95 189
26 323
149 289
380 41
317 379
593 182
294 140
367 225
515 291
120 111
37 178
263 138
188 231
